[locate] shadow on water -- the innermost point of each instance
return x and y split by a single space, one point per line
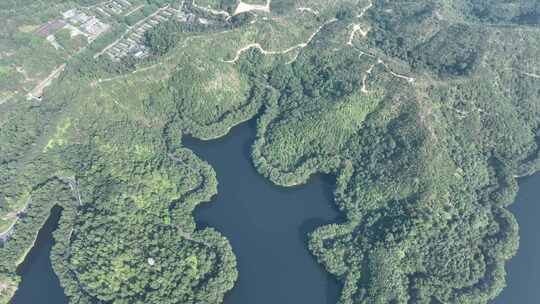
267 225
39 282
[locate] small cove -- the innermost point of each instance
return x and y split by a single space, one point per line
39 282
267 226
523 270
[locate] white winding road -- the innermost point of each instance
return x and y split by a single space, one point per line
281 52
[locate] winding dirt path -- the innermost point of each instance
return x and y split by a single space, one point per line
6 233
37 92
281 52
94 83
357 28
369 71
308 9
404 77
364 79
533 75
365 9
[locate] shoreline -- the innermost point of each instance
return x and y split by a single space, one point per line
21 260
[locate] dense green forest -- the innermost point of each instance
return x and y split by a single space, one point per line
425 113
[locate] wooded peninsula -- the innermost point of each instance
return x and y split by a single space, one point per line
425 113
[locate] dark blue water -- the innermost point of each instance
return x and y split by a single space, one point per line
523 277
267 226
40 285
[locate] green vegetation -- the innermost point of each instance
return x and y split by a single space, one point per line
426 119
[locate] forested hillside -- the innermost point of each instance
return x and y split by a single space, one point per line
425 112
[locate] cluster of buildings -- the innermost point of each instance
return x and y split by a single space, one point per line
110 8
79 23
133 43
87 22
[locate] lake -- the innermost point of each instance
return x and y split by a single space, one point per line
39 282
523 277
267 227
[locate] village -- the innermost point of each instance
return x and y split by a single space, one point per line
78 23
75 29
110 8
132 42
93 21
